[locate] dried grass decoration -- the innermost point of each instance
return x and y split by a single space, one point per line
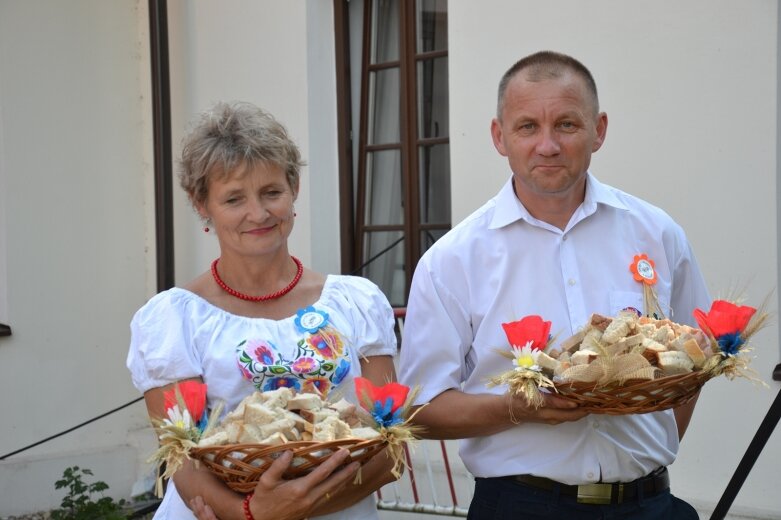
390 406
527 338
187 420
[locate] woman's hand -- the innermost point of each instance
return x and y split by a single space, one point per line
278 499
275 498
201 509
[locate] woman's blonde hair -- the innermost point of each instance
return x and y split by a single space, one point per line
234 135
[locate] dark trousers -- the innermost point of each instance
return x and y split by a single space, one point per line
506 499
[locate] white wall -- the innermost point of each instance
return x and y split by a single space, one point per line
74 123
76 133
690 89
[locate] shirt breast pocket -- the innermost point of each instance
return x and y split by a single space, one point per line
626 301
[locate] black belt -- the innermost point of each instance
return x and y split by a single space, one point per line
602 492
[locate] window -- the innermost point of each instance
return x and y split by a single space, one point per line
397 185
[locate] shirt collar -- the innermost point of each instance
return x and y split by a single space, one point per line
508 208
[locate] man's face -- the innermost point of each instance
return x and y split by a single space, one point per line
548 131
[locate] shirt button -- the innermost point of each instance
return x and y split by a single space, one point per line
596 424
564 238
571 281
590 475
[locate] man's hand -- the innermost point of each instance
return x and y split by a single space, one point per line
457 415
554 410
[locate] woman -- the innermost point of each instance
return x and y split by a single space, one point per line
259 320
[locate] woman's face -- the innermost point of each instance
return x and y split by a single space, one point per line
251 210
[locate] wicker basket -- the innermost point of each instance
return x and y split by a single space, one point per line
634 397
241 465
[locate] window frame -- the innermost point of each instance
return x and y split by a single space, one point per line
353 203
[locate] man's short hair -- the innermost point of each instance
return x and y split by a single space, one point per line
544 65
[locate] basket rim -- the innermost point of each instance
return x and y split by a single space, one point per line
632 384
637 397
235 465
291 446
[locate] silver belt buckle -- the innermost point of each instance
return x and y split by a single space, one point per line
598 493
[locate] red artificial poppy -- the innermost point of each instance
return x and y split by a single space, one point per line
193 395
530 328
724 318
368 392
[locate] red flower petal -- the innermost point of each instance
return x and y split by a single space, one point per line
193 394
529 328
365 389
724 318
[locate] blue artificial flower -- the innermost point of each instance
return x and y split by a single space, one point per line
203 421
384 415
341 371
730 343
310 319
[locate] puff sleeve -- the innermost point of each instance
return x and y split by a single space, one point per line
162 349
371 315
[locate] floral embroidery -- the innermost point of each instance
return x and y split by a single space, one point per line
342 370
279 382
246 374
316 363
304 365
326 343
262 353
317 385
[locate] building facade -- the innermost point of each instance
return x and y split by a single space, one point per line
691 90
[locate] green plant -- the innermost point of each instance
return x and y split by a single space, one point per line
78 503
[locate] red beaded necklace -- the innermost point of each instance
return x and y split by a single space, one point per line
265 297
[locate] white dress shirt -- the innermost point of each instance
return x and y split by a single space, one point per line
501 264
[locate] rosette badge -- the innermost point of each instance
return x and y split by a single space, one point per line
528 338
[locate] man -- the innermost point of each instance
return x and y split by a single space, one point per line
558 243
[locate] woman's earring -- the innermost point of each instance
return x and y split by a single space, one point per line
206 227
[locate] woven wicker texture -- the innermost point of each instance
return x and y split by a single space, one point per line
241 465
635 396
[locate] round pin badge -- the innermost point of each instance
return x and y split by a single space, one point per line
311 320
642 268
645 269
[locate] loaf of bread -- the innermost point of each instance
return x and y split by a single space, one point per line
669 348
282 415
